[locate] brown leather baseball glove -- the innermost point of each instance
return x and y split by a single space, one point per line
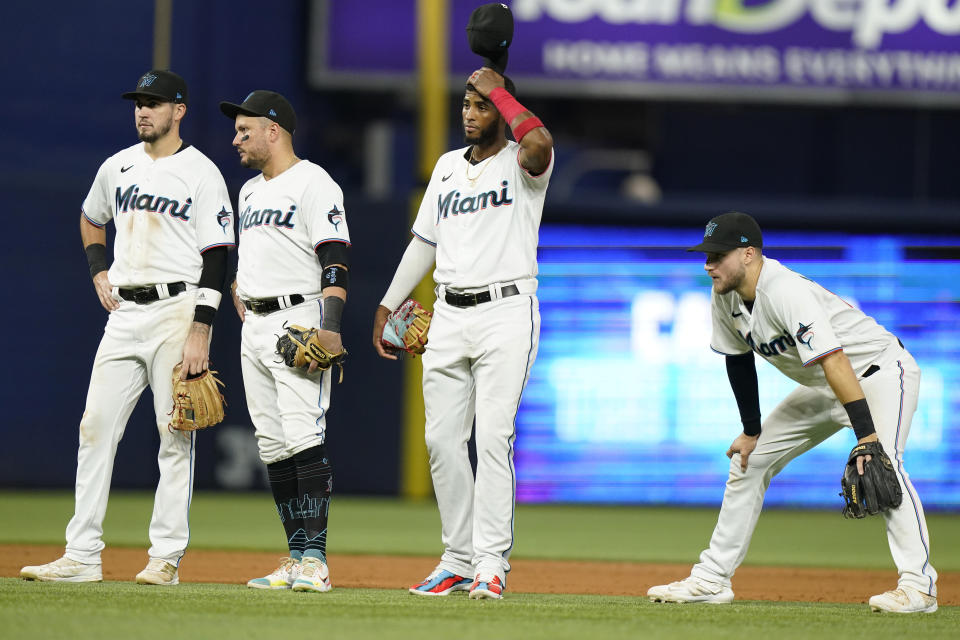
197 402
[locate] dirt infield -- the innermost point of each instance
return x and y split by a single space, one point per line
528 576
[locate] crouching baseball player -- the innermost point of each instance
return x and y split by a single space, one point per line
291 282
851 371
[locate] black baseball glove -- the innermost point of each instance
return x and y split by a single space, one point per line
877 490
299 346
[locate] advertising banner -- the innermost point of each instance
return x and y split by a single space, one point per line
905 51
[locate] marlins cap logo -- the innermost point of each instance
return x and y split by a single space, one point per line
711 227
147 80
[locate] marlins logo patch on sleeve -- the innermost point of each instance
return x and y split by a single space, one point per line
804 335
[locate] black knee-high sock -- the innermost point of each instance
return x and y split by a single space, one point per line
283 483
315 483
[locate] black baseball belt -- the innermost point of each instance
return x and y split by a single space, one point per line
151 293
269 305
473 299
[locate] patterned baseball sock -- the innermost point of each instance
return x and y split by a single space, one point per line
315 483
283 483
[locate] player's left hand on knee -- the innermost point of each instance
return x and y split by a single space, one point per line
744 445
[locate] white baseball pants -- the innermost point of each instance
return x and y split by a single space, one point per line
141 344
288 407
801 421
477 363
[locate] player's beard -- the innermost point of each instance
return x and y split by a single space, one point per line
732 283
485 137
157 131
252 161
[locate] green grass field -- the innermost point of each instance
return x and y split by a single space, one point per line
248 522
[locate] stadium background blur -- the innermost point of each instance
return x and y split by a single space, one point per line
854 182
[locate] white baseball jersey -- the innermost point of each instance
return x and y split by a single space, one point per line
282 221
794 323
166 212
484 219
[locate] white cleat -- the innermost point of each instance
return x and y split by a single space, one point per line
904 600
314 576
159 572
281 578
691 590
63 570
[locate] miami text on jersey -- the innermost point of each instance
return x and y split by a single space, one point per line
775 347
261 217
450 203
133 200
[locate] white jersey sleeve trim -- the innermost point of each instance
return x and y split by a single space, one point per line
821 356
346 242
420 237
219 244
724 353
92 221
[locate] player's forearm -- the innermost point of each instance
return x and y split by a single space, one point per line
742 373
843 381
94 240
90 233
212 278
536 143
840 377
414 265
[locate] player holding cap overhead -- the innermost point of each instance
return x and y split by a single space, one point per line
174 225
293 260
851 371
478 222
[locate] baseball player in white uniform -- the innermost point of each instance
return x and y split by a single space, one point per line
293 269
174 226
851 372
478 222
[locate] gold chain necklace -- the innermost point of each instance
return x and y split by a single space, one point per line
485 162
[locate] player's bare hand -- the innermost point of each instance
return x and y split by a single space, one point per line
379 322
105 291
331 341
485 80
862 460
237 303
744 445
196 350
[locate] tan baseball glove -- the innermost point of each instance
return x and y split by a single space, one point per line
407 328
300 346
197 402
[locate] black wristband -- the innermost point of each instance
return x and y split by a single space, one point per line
860 418
96 258
204 313
332 312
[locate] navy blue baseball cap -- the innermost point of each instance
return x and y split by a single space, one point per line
264 104
161 84
729 231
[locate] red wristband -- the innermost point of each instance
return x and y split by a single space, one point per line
506 104
509 108
525 127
